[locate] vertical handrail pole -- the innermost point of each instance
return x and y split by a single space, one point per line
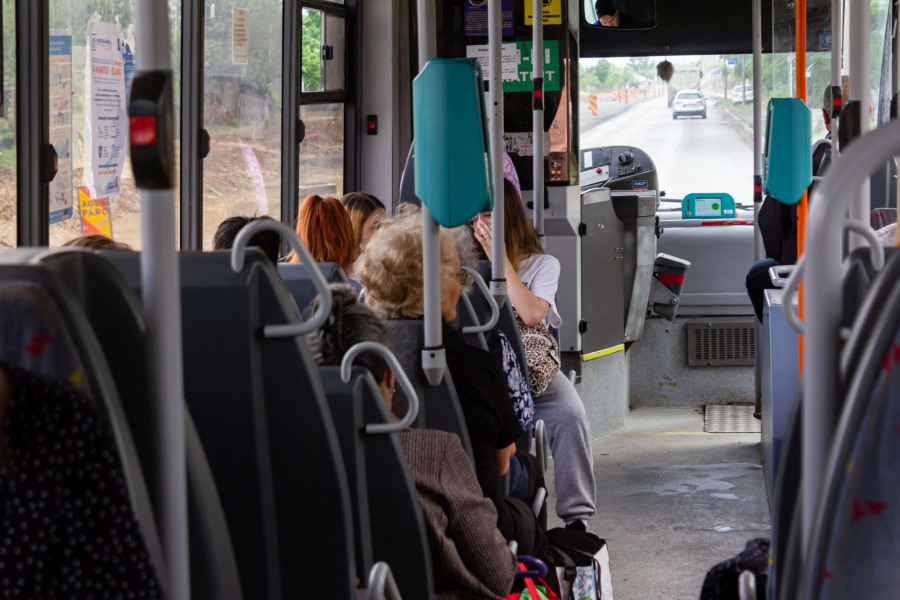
803 206
434 359
859 92
837 45
758 249
160 280
495 58
537 79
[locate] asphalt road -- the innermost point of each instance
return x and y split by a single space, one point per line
691 154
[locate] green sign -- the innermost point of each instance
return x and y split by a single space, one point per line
517 65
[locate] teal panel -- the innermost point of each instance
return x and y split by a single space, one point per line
788 158
452 169
708 206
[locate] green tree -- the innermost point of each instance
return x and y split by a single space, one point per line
310 50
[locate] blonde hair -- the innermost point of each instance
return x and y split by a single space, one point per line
390 266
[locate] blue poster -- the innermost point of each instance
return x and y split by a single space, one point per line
129 72
477 18
60 99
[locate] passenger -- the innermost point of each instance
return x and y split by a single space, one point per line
366 213
470 557
532 279
67 520
96 242
324 226
778 221
267 241
390 271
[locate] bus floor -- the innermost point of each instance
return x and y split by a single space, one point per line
672 501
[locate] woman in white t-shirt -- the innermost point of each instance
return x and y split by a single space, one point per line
532 278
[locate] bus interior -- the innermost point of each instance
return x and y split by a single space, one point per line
740 396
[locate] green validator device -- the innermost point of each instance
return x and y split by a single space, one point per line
708 206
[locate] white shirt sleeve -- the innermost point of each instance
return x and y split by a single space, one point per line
540 274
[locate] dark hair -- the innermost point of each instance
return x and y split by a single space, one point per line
350 323
360 205
267 241
96 242
605 7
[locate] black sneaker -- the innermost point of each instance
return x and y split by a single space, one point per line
577 525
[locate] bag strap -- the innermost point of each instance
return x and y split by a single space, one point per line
550 594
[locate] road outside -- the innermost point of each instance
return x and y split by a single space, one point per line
690 154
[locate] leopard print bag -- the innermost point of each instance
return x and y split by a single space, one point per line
541 353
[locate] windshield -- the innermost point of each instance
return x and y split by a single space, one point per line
690 96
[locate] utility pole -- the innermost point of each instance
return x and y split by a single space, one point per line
743 79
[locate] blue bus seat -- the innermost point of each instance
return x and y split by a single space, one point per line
38 311
117 318
384 488
439 406
262 417
298 283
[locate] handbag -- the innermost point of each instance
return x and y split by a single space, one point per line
541 354
584 559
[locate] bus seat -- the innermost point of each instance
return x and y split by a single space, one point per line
298 283
260 412
882 217
788 154
345 404
438 406
117 318
37 312
384 488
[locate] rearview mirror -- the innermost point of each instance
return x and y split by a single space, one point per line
621 14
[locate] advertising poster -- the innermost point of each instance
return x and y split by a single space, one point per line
477 18
105 118
240 37
552 12
517 65
61 188
95 218
129 71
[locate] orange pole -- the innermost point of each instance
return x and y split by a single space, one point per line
803 207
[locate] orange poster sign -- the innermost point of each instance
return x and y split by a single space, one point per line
95 217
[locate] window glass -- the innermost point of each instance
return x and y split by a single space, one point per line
322 151
311 41
92 50
335 40
242 112
8 130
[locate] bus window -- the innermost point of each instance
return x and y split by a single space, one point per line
322 150
92 50
242 111
8 130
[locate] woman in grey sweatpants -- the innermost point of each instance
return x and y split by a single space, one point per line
532 279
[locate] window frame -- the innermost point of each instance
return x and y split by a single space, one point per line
326 8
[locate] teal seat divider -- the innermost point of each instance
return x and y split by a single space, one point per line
452 168
788 155
708 206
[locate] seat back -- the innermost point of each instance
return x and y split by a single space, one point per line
260 412
117 319
298 282
439 406
43 329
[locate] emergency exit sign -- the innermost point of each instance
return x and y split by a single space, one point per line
517 65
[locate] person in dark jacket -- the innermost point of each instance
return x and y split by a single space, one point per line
778 224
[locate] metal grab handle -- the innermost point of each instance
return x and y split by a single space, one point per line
877 249
513 546
530 566
237 265
412 412
779 274
541 443
747 586
382 585
495 308
538 503
793 284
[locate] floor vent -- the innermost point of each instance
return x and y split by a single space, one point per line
721 344
730 419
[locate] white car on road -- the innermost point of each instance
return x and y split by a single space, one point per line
742 94
688 103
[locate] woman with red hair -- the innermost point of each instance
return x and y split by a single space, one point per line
324 226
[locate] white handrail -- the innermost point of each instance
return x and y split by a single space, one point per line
412 412
747 586
495 308
237 265
823 307
382 585
787 303
877 248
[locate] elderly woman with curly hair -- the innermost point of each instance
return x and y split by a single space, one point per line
390 271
